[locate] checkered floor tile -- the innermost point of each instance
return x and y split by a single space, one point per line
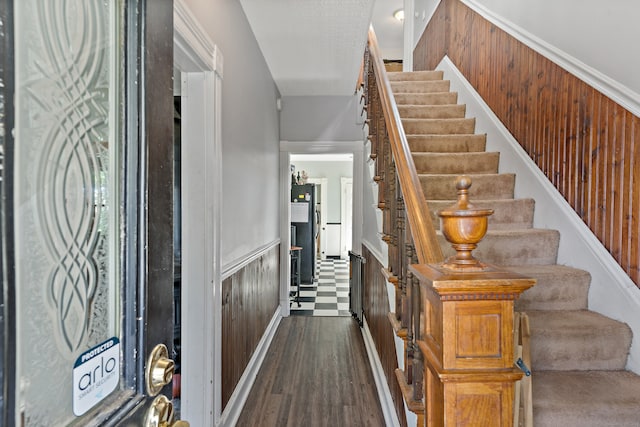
328 295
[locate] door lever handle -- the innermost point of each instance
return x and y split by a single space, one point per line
161 414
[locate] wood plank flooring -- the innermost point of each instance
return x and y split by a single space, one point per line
316 373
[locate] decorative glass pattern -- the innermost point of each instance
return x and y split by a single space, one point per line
67 209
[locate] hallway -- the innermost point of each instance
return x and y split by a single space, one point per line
316 373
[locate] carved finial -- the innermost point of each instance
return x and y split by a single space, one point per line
463 226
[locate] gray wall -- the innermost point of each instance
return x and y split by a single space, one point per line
320 118
250 132
333 171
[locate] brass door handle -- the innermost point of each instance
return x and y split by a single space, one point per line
161 414
159 369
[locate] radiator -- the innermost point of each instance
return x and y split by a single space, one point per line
356 276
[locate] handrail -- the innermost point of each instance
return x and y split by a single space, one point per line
424 236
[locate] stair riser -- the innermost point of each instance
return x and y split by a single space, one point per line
420 86
561 350
431 111
585 399
415 76
438 126
467 163
447 143
509 214
487 186
446 98
541 248
557 288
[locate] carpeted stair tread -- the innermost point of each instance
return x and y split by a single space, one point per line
421 86
586 398
508 214
457 163
484 186
558 287
447 143
415 75
452 111
577 340
505 247
442 98
438 126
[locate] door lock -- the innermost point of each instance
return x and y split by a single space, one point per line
159 369
161 414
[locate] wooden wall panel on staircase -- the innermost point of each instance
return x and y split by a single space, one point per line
249 301
585 143
376 308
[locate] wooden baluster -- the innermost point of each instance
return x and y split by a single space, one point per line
409 310
401 256
418 374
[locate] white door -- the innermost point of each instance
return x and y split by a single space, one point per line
87 212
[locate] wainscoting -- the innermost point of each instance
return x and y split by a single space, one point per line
376 308
249 300
586 144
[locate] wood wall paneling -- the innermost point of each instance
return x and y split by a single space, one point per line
585 143
249 300
376 308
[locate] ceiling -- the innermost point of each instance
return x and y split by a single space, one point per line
315 47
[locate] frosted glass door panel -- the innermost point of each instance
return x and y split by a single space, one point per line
67 204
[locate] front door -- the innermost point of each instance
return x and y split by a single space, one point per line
86 192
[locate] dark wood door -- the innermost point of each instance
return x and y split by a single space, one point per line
87 154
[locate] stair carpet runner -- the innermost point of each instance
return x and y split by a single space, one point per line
578 356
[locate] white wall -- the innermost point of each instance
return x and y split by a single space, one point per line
321 118
371 215
250 132
423 10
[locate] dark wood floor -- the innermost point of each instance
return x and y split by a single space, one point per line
316 373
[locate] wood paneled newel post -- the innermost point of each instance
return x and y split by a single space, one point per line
467 335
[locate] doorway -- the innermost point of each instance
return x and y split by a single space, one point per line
197 62
298 154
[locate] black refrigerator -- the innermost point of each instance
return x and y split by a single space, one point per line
304 219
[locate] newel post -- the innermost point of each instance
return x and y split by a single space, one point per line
467 336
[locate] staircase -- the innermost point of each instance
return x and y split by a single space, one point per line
578 356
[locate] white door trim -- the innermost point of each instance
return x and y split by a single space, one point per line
200 64
345 244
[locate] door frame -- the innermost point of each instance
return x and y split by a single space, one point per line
200 61
344 182
315 147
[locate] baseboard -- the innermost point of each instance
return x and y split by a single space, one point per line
234 407
612 292
384 394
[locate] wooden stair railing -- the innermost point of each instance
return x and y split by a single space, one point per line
455 317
